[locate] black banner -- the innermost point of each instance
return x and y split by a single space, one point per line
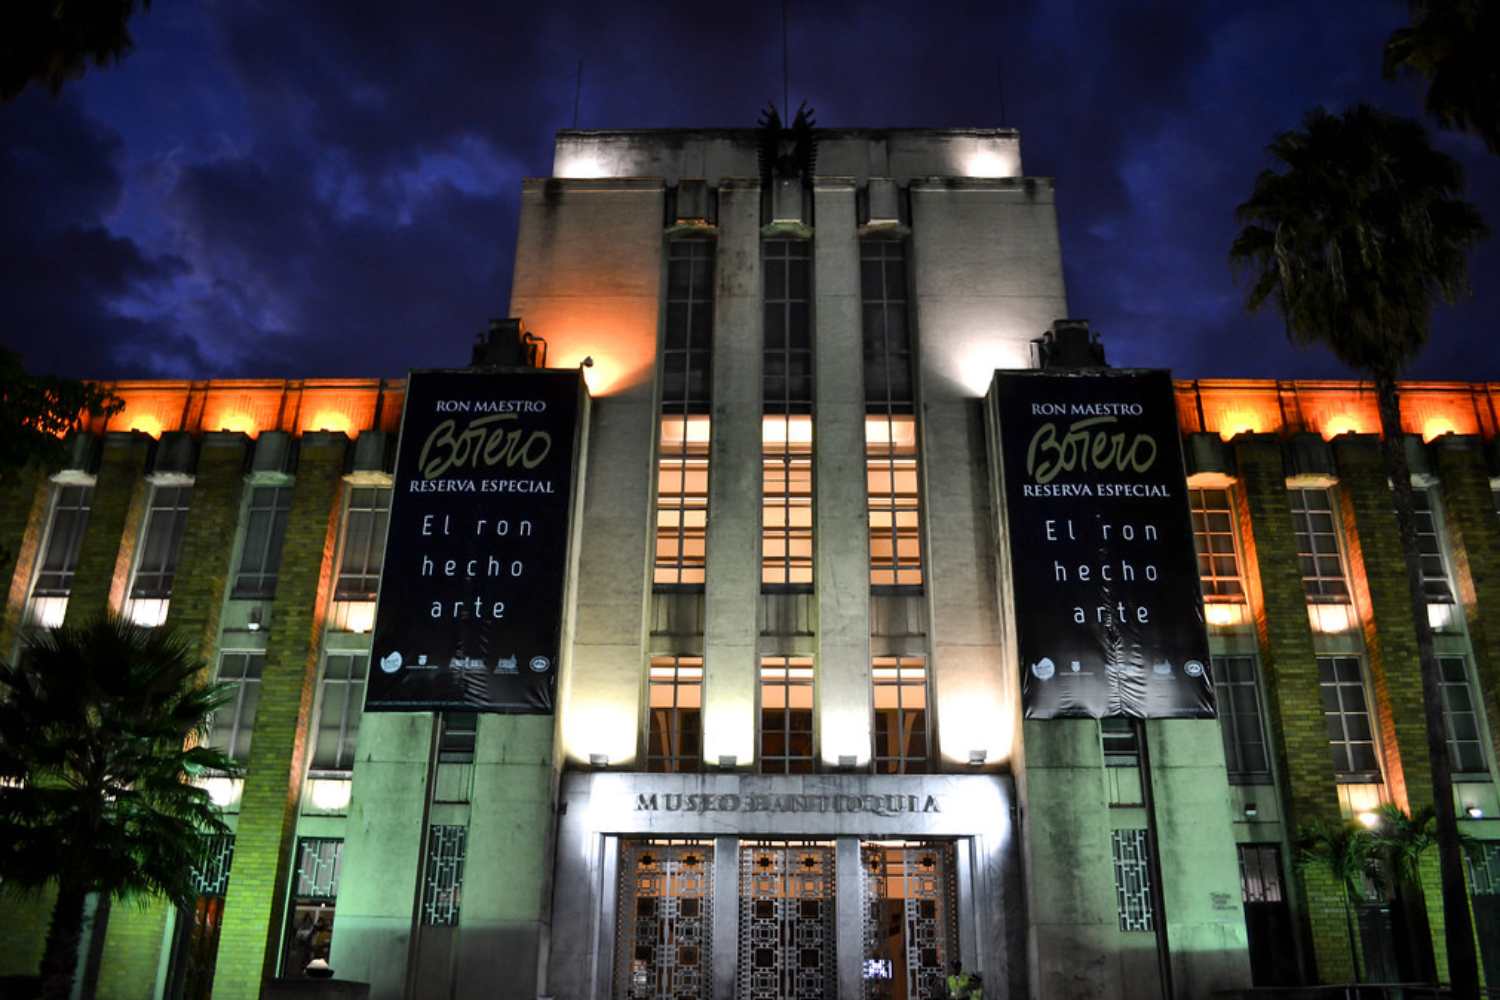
471 591
1108 606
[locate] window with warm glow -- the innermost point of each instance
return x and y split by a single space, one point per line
1461 719
900 696
786 715
230 728
682 501
674 727
1435 580
265 531
363 548
1240 719
64 539
895 509
1347 715
341 701
786 504
1319 551
1213 537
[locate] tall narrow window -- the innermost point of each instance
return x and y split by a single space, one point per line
1260 873
1461 718
161 544
786 715
787 432
1318 550
900 696
687 387
364 543
890 421
443 879
1347 714
1213 537
1435 580
786 503
341 702
313 905
1240 719
459 737
1133 879
54 581
1120 741
674 731
265 531
234 722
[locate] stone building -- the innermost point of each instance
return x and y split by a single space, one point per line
788 757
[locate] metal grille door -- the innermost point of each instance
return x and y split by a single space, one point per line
666 930
910 932
787 922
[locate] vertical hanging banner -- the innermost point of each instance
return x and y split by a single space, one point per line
1108 607
472 587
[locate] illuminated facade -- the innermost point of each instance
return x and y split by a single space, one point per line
788 757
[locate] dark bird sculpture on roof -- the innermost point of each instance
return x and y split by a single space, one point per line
787 152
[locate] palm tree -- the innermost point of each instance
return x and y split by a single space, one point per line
1354 243
1345 851
1452 43
98 726
1403 839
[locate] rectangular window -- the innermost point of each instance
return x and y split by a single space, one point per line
443 876
211 869
64 539
1213 537
265 531
234 722
682 501
787 376
687 353
885 327
1121 742
674 731
786 504
1133 879
456 741
895 510
900 697
1319 553
1347 714
1260 873
1461 719
161 542
364 543
1435 581
1240 719
341 701
786 715
310 916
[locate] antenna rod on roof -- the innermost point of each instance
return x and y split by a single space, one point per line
785 89
577 90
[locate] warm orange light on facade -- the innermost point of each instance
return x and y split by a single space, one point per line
1342 423
1436 427
327 420
145 423
1233 423
239 423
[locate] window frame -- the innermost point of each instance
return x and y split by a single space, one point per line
671 667
788 496
240 727
353 695
264 588
789 763
1474 711
165 574
1317 587
1351 775
376 543
1228 701
903 763
1217 586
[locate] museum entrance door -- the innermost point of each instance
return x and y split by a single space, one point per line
787 928
910 925
665 945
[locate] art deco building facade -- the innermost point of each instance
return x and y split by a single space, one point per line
788 757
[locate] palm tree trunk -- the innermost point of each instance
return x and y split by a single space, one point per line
1463 969
1353 944
60 956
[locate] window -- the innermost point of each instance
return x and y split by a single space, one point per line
786 505
1240 722
265 531
211 869
682 501
895 511
674 731
900 698
887 336
1318 550
310 916
1347 715
1121 742
1435 583
1260 873
1461 720
456 741
364 543
687 353
54 581
787 377
1132 879
786 715
233 723
340 703
1213 537
161 544
443 876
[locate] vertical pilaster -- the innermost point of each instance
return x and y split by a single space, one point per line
726 916
732 591
256 900
841 530
24 502
104 558
849 907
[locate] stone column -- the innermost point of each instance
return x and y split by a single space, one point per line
25 502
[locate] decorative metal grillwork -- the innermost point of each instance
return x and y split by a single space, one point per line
211 873
910 933
443 886
1133 880
1484 869
319 862
665 939
787 922
1260 873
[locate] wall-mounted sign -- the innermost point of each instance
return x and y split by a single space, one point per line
471 591
1107 600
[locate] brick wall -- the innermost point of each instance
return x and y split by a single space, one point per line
254 905
24 503
104 559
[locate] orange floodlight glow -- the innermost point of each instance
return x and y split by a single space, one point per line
1436 427
147 424
1237 422
1339 424
238 423
329 420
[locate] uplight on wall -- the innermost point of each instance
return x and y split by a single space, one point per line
1236 422
1436 427
222 792
329 420
1341 424
359 616
146 424
239 423
1224 615
1330 619
330 795
1369 819
987 161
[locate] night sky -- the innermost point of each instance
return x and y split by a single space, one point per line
327 188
